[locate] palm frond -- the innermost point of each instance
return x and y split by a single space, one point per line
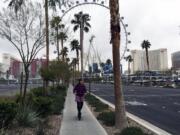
16 4
86 29
145 44
87 24
73 22
76 27
54 3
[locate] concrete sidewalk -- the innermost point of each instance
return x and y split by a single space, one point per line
70 125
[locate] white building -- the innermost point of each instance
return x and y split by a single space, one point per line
7 60
158 60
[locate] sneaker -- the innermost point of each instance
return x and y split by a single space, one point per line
79 115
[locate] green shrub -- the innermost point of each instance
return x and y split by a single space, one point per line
58 97
29 97
61 87
93 101
7 112
99 107
38 91
18 98
43 105
132 131
58 104
26 117
3 131
58 90
108 118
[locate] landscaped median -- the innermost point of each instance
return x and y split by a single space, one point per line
41 113
106 117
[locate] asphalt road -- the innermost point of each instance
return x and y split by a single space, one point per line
12 89
159 106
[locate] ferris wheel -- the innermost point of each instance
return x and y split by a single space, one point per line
103 4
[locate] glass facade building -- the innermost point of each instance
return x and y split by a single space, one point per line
176 60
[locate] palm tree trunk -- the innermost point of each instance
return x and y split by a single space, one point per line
77 53
58 54
81 45
147 58
47 31
62 46
78 64
120 116
75 73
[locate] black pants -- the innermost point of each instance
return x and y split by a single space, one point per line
79 106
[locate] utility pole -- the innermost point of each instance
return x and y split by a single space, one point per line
90 71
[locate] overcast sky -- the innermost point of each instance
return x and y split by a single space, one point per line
155 20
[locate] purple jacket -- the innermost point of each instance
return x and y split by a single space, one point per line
79 90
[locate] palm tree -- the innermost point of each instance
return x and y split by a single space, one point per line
67 60
129 59
75 46
146 45
81 21
56 26
108 62
47 31
120 116
102 64
16 4
64 52
63 37
73 64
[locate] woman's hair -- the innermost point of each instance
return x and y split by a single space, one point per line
80 80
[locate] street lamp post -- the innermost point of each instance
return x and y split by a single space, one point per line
7 76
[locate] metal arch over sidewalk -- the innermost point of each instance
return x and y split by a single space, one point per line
78 4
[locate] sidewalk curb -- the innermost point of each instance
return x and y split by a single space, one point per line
138 120
99 125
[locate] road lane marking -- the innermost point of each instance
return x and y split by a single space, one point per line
131 90
135 103
175 103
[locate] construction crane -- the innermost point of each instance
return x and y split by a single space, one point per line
96 54
89 50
